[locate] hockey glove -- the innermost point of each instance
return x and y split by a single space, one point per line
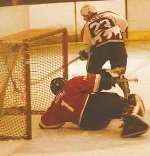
107 80
83 55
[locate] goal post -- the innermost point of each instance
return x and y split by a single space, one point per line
29 60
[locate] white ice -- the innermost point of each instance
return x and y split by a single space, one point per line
71 141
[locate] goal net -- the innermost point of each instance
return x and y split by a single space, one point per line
29 60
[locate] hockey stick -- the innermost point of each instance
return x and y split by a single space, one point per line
54 71
128 79
73 60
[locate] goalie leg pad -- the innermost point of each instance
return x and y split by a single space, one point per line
134 126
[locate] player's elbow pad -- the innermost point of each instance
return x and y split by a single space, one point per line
106 82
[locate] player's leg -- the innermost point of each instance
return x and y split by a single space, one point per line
97 58
118 61
101 108
104 106
124 85
118 56
131 111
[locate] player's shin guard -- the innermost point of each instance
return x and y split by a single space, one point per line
124 85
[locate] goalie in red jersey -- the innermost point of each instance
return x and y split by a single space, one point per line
81 101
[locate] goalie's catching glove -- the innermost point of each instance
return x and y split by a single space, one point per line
83 55
107 81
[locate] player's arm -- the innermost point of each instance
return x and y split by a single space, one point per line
121 22
52 118
87 40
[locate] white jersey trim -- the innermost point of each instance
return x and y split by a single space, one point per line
63 103
83 109
100 44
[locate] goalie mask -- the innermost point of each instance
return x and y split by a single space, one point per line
57 85
87 11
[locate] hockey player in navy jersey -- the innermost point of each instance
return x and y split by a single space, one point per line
102 36
83 101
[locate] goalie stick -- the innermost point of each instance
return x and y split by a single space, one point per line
54 71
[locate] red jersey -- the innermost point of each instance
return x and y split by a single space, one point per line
69 104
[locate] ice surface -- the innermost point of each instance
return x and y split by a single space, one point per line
71 141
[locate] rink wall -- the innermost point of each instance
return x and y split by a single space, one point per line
138 19
21 17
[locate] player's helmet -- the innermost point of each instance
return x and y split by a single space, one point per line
57 85
87 10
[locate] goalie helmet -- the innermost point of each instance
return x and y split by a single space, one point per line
57 85
87 11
